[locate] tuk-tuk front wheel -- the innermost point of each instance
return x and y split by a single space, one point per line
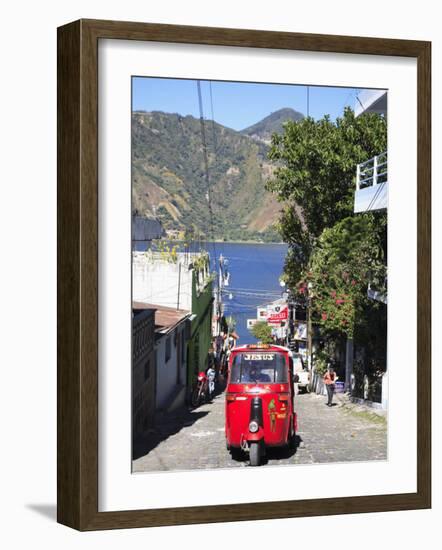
292 438
255 453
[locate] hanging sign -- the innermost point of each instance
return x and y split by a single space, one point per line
277 313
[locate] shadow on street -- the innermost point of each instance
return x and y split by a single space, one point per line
166 425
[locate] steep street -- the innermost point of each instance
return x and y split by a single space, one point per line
195 439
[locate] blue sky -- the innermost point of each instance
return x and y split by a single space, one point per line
236 104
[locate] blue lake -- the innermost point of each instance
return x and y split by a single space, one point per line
254 278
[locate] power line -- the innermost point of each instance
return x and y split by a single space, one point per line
375 196
352 91
360 102
259 290
208 195
255 295
206 165
213 119
264 264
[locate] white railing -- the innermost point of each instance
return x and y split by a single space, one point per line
372 172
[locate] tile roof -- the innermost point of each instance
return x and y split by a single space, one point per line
165 317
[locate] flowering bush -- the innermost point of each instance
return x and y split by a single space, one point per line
346 258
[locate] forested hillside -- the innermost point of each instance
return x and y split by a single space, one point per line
170 182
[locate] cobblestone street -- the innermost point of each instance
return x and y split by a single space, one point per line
195 439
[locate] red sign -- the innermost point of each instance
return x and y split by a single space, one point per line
278 314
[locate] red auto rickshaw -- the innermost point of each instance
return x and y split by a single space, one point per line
259 400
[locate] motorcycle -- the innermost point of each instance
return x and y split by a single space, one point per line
201 390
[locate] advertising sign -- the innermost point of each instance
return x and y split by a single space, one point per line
277 313
301 332
261 313
251 322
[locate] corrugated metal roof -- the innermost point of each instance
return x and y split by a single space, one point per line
146 229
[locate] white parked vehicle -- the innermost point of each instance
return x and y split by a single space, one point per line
300 369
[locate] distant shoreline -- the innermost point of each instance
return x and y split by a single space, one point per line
230 242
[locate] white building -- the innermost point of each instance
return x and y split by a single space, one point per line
372 193
372 175
165 278
172 331
178 282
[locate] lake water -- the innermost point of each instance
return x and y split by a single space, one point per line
254 278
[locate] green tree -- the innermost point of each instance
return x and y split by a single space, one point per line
262 332
347 257
315 176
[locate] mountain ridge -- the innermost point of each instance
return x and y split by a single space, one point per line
264 128
169 181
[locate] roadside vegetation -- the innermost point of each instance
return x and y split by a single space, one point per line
262 332
334 255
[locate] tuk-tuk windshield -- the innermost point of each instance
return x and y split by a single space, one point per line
261 368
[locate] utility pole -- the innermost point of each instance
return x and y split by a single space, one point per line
348 364
292 320
309 326
219 292
179 286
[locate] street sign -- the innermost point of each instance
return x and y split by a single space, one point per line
277 313
301 332
261 313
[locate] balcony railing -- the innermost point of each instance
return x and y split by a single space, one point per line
372 172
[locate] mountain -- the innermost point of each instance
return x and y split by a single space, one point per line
264 129
169 178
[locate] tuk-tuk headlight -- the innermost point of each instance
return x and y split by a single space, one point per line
253 426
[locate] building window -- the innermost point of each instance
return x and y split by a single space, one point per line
168 348
146 370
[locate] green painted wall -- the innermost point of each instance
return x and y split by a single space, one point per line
201 330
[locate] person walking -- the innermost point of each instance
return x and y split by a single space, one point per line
329 379
219 343
211 373
231 342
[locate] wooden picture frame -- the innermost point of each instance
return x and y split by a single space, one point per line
78 274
